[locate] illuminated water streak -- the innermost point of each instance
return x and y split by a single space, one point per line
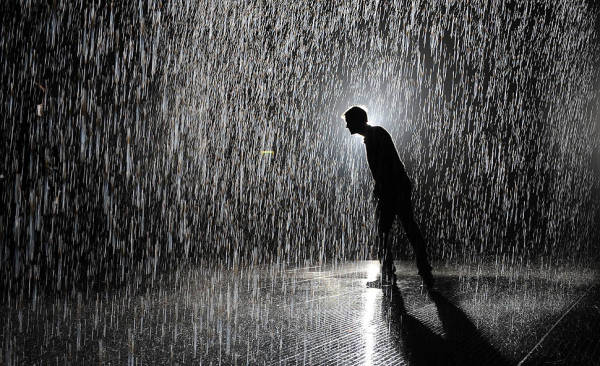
371 297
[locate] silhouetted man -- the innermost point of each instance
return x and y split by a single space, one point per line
393 194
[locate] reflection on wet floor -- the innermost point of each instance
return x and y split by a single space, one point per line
460 343
316 315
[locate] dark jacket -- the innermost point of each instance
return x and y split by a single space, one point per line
386 167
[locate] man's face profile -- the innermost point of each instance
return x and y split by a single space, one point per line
353 124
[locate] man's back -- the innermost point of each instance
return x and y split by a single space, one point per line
387 168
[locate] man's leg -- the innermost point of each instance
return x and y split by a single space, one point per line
386 256
416 239
385 219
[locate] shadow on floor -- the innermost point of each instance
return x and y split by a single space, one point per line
462 344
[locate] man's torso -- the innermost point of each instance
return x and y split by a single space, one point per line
385 164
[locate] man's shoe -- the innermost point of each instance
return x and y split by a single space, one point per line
375 284
386 280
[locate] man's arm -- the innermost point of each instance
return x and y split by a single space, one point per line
377 164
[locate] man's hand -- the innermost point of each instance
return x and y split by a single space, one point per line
374 196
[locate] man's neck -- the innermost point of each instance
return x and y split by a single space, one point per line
364 131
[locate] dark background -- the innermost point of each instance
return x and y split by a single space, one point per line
147 151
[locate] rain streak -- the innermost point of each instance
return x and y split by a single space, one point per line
150 145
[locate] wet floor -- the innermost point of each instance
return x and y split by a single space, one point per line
317 315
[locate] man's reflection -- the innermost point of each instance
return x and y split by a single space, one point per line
462 343
412 338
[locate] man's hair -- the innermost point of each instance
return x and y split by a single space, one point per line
355 113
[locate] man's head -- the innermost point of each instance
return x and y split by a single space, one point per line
356 119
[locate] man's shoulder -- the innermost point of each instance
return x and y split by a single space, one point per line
381 130
379 133
376 135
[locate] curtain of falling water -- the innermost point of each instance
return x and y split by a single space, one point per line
132 133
